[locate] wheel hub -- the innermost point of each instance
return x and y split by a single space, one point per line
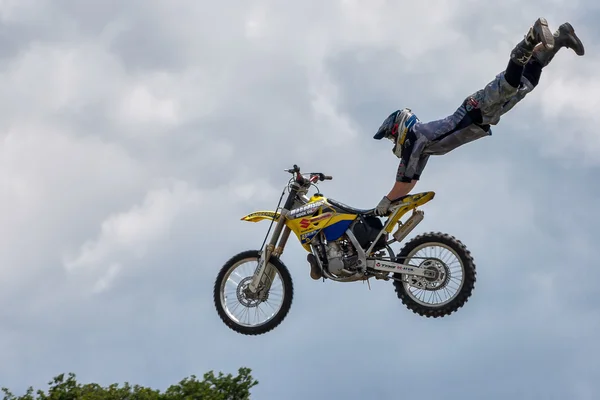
246 297
440 272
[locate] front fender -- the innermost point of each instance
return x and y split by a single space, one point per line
260 216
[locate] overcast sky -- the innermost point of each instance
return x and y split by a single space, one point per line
134 135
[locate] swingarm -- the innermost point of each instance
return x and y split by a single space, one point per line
388 266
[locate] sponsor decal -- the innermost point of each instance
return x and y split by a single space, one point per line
305 223
396 267
306 236
263 214
306 210
320 217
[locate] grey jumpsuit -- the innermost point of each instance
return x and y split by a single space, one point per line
438 137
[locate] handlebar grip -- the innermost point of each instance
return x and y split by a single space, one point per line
324 177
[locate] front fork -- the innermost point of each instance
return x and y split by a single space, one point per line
263 276
262 280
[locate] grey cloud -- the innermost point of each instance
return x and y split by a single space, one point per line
148 45
13 38
92 18
27 27
376 81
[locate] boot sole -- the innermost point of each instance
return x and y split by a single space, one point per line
547 36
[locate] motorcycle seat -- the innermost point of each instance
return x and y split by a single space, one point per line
351 210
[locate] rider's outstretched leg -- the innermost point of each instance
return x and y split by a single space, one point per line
483 108
487 105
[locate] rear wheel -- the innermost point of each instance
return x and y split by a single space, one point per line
455 275
243 311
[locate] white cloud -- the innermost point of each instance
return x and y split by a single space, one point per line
569 100
131 234
132 143
47 78
26 10
142 106
53 182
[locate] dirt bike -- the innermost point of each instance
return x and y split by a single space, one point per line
345 244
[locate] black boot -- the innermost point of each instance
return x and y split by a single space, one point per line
564 37
538 33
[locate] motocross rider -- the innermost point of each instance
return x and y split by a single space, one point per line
414 141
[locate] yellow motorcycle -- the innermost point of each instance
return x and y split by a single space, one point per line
344 244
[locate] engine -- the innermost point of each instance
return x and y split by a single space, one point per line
341 254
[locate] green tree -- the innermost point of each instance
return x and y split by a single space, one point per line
212 387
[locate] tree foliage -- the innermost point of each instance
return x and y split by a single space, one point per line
212 387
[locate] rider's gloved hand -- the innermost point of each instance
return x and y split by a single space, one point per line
383 206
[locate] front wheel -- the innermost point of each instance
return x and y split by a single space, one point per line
243 311
455 275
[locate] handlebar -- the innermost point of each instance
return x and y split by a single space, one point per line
313 176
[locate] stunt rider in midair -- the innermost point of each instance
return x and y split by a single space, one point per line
414 141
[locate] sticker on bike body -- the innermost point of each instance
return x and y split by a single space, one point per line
389 266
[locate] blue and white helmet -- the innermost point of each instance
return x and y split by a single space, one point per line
396 126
